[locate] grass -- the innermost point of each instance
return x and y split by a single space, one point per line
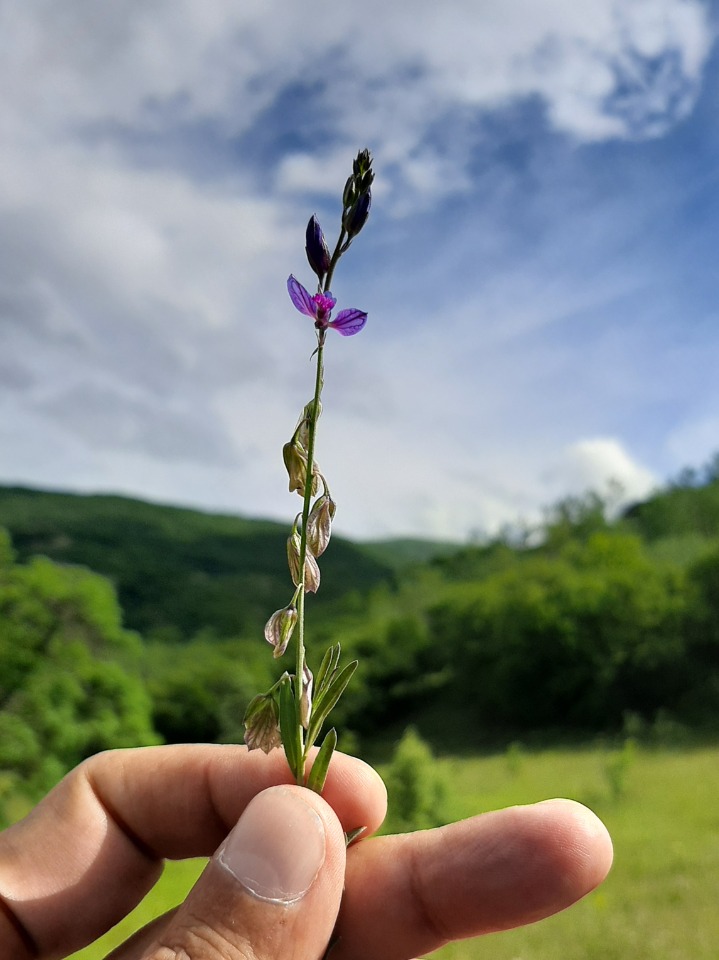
662 808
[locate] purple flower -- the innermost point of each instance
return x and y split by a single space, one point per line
320 306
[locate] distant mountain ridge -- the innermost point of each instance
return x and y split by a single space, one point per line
179 571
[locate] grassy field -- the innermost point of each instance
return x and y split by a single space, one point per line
662 808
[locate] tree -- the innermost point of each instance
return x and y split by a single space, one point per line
416 790
69 684
566 640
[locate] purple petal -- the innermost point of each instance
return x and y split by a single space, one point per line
349 322
300 297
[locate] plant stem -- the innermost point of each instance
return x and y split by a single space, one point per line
312 428
333 262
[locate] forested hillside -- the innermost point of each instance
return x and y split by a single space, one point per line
177 572
582 626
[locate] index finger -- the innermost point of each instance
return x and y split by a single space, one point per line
492 872
88 853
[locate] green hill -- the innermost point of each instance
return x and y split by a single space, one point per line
179 572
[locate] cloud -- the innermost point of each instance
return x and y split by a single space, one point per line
600 465
160 161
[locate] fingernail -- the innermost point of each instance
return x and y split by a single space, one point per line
277 848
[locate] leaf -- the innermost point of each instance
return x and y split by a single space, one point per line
328 666
289 728
318 773
325 701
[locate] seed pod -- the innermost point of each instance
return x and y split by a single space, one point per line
312 570
319 524
312 574
262 731
296 464
279 628
293 556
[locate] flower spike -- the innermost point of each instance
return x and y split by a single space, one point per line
292 713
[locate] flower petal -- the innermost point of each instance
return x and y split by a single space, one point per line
300 297
349 322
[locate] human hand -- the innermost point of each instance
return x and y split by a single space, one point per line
93 848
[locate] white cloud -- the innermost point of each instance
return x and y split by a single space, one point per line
379 73
140 299
600 465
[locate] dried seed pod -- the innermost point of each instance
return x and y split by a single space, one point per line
295 460
279 627
319 524
262 730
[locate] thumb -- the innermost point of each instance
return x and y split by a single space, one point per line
271 891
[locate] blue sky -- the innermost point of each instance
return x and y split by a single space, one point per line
539 266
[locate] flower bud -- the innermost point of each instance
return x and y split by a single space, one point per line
296 465
357 195
306 698
356 216
319 524
349 194
362 164
279 628
262 730
318 254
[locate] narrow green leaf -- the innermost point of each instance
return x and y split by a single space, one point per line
328 698
327 667
289 728
318 773
334 690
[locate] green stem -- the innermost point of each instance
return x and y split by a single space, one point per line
333 262
312 428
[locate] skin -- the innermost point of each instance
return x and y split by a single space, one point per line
90 851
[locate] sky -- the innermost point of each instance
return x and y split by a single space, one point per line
539 266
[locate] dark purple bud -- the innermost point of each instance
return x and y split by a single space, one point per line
318 254
356 216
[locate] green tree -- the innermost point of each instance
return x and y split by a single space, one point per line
572 639
69 684
416 790
200 690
